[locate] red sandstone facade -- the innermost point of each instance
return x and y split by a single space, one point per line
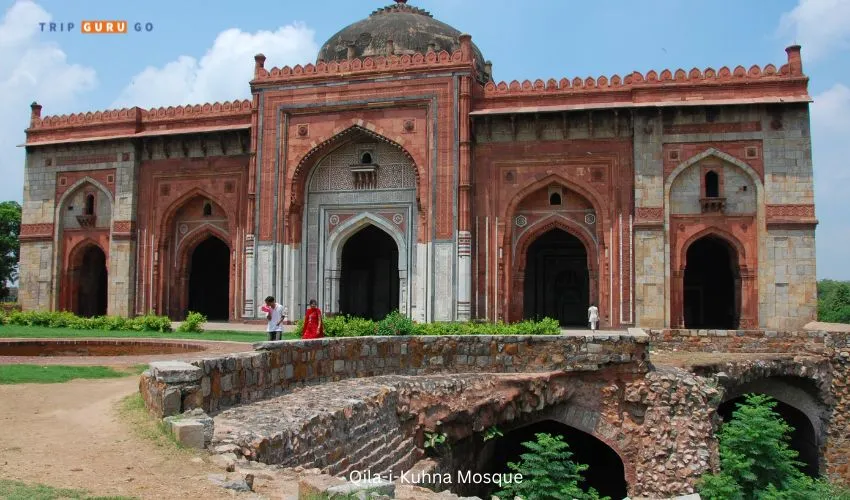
466 176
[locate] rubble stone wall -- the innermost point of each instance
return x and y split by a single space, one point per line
738 341
276 367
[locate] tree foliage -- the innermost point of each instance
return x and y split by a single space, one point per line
756 460
548 473
10 247
834 301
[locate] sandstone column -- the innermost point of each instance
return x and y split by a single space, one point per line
464 236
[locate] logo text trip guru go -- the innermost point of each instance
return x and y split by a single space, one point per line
97 27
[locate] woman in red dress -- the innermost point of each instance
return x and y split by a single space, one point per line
313 322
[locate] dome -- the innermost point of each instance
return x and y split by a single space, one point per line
411 30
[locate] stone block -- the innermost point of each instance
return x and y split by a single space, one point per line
189 433
175 372
371 486
171 401
312 486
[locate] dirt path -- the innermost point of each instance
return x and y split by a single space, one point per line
72 435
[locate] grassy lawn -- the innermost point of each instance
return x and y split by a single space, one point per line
54 374
10 331
23 491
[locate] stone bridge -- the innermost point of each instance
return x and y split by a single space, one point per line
641 408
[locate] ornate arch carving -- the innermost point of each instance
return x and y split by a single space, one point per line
312 157
170 213
721 234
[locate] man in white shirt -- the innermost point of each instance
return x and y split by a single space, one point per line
593 316
275 314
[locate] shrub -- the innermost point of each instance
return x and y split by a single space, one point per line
757 462
395 324
194 322
64 319
547 472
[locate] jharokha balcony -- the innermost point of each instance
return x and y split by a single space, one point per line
87 220
712 205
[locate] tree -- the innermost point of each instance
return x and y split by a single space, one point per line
834 301
548 473
10 246
757 462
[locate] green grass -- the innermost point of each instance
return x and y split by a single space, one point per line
54 374
132 410
21 491
15 331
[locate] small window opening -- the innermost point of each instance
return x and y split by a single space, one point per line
744 188
207 209
712 185
366 158
554 199
89 208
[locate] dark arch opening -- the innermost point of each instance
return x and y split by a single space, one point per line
207 209
803 438
209 279
712 184
89 208
369 278
366 158
555 199
712 289
92 283
605 471
557 281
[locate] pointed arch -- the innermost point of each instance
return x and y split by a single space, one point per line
337 239
171 212
339 138
721 234
515 261
720 155
515 294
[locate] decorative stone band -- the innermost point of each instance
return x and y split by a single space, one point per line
791 215
275 367
124 230
649 217
36 232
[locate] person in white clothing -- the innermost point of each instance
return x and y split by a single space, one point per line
276 315
593 316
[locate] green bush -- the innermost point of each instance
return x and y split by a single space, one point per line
64 319
548 473
194 322
395 324
757 462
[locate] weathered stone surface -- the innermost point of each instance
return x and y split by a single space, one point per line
372 487
172 372
189 433
316 485
171 401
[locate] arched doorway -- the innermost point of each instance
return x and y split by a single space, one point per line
605 471
712 291
369 279
557 283
92 283
209 279
803 437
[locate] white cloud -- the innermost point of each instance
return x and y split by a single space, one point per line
223 72
820 26
830 114
31 69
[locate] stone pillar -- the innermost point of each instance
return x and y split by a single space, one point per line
464 275
464 236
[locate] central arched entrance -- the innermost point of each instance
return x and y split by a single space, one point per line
92 283
557 282
209 279
369 282
712 294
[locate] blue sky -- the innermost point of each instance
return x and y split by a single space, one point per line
201 50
